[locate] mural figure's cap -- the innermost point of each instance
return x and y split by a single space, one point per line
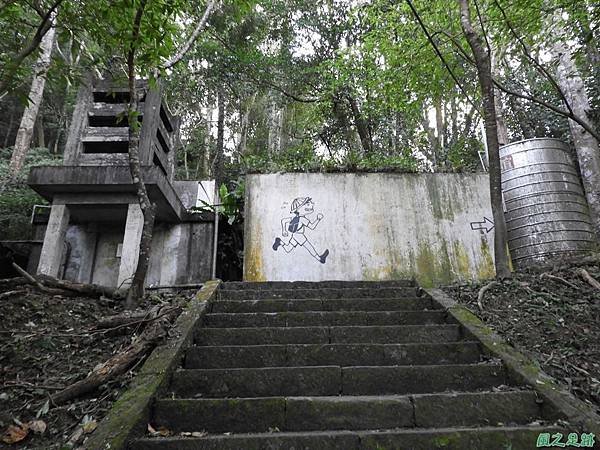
299 203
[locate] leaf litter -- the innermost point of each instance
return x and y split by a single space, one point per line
549 313
47 343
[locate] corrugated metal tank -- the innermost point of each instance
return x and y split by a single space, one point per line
547 215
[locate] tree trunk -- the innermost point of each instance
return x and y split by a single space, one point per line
204 159
439 124
243 131
218 163
587 148
137 289
361 125
274 132
245 122
283 136
39 131
9 127
500 123
484 75
36 93
439 139
339 111
453 123
185 162
430 131
399 132
590 39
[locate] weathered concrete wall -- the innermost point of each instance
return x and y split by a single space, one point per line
375 226
81 240
195 193
181 253
106 263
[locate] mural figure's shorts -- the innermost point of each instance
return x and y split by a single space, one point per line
297 239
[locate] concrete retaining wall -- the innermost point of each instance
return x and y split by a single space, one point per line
377 226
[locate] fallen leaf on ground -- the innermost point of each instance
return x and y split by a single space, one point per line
14 434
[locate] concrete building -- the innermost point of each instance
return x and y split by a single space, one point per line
95 222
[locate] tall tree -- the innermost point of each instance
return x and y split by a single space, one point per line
586 146
136 290
145 32
484 74
36 94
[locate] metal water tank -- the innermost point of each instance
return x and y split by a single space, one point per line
546 211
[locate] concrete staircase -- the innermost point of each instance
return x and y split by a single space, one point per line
341 365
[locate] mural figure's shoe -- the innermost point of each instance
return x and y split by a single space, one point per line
323 257
276 244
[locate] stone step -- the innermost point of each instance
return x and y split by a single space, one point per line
240 356
335 380
463 438
346 304
400 334
245 415
267 285
325 293
321 318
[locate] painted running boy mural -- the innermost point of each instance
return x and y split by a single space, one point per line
297 224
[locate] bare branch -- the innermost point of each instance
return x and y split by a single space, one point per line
540 68
186 47
483 30
439 53
551 107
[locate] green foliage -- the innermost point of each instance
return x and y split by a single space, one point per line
17 199
463 154
231 202
299 158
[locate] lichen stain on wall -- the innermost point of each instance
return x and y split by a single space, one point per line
253 262
462 264
442 202
433 265
486 269
387 272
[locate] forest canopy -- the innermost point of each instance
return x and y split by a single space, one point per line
310 85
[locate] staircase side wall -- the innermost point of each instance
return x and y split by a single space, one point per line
375 226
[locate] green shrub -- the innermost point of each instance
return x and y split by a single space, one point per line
16 198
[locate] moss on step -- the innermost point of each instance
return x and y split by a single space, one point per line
522 369
131 412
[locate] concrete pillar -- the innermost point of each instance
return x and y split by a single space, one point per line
131 245
54 241
174 254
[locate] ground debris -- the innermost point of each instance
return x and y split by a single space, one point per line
551 316
49 342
